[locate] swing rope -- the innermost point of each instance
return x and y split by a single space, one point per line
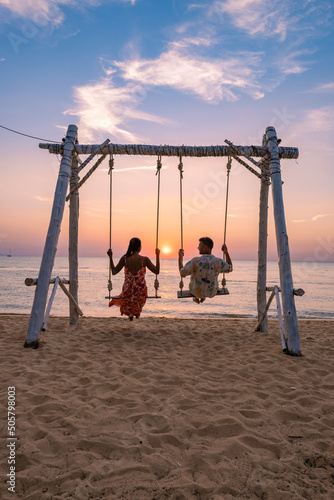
111 168
228 167
224 290
159 166
180 167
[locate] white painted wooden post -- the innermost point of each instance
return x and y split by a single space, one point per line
73 241
288 302
50 247
262 251
280 318
48 309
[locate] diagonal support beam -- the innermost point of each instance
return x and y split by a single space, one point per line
96 151
89 173
242 162
238 151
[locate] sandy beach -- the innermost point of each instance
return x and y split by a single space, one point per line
168 409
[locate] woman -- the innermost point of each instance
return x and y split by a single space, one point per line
134 290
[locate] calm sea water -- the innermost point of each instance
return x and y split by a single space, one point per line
317 279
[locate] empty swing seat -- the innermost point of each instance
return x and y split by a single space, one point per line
149 297
186 293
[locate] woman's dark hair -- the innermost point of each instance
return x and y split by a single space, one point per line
134 245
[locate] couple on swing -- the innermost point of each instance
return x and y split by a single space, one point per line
203 271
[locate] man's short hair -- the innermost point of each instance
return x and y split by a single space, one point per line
207 242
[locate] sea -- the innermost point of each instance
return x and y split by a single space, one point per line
315 278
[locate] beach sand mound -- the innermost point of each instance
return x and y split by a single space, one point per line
168 409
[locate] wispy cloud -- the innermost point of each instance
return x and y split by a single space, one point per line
320 119
256 17
292 63
211 79
40 11
313 219
2 59
47 11
104 108
322 88
278 18
42 199
196 62
320 216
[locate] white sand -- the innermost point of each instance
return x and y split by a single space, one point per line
169 409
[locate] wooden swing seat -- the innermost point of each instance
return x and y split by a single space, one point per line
186 294
149 297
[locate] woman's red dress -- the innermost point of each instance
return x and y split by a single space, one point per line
134 293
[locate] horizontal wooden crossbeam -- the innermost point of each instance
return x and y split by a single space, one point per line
192 151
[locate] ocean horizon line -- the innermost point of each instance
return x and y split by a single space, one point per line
168 258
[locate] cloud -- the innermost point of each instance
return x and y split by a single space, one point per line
43 199
320 119
291 64
45 12
313 219
278 18
322 88
320 216
2 59
256 17
103 108
40 11
211 79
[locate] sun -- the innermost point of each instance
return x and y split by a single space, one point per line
166 250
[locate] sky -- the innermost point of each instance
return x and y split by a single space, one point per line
167 72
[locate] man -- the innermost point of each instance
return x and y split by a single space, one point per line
204 270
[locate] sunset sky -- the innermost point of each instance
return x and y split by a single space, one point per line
167 72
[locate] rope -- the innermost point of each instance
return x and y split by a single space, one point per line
228 167
180 167
111 167
159 166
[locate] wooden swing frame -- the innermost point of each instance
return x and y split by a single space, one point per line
267 170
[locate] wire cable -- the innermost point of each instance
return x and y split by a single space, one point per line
27 135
